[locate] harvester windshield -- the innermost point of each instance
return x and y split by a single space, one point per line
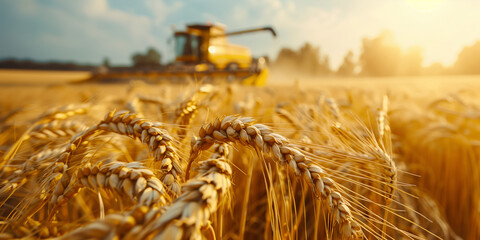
187 47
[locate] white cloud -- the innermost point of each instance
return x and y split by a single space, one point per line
240 13
87 31
161 10
295 24
208 17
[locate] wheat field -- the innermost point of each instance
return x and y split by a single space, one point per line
314 159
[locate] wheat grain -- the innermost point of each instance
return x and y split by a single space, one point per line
51 131
185 114
131 179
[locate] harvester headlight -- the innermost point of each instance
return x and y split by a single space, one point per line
211 49
261 63
261 60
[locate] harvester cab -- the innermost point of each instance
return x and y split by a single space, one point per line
206 48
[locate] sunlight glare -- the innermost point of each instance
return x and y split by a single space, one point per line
425 5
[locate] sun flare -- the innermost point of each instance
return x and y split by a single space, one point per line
425 5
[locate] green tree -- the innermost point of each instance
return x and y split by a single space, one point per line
151 58
435 68
106 62
309 59
411 62
306 60
348 66
468 60
380 56
287 58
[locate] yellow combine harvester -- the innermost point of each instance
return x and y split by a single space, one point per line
202 52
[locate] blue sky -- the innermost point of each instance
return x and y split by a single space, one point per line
89 30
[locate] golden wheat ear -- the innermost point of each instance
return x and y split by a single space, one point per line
265 142
185 218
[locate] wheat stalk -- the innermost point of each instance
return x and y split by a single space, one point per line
49 116
371 148
202 195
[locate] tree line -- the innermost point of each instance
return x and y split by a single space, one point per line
380 56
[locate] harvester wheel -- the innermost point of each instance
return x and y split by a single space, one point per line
211 66
232 67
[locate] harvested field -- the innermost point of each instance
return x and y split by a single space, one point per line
39 77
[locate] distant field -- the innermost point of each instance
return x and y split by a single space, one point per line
40 76
452 82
